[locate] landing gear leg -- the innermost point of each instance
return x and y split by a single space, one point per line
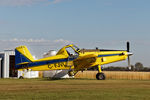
100 75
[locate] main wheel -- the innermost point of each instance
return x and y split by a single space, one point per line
100 76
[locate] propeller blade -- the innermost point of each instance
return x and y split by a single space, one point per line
129 64
128 46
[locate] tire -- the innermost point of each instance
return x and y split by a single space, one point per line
100 76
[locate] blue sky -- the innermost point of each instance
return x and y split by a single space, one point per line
86 23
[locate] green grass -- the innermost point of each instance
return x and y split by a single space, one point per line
73 89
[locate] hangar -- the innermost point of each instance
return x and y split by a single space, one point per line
7 64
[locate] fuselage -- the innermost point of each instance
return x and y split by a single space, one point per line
75 59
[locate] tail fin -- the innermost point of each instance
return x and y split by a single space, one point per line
22 55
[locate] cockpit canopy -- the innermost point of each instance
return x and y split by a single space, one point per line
69 50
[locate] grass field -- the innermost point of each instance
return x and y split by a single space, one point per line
74 89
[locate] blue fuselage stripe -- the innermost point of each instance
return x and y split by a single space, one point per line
33 64
106 55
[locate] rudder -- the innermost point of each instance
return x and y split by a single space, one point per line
22 55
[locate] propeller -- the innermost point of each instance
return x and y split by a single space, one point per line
129 54
128 46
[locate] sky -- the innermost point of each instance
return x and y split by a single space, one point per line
45 25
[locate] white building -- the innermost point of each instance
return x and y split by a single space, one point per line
7 66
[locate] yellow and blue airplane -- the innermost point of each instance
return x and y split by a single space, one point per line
72 58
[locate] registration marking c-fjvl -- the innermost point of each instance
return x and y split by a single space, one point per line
57 65
50 66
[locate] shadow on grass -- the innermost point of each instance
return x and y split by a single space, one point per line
58 79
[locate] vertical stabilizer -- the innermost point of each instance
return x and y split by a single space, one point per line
23 55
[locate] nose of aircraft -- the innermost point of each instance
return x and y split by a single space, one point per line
130 53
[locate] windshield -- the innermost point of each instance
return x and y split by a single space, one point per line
76 48
70 51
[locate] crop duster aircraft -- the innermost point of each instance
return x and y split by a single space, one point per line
72 58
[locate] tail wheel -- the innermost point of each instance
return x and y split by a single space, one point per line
21 77
100 76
